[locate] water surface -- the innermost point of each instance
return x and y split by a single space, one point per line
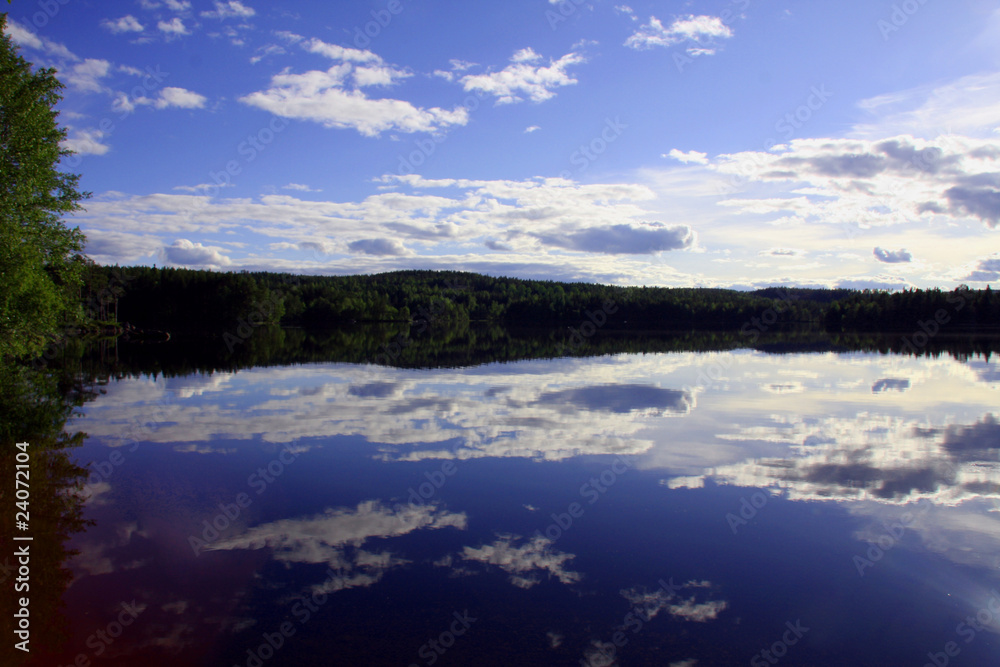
671 509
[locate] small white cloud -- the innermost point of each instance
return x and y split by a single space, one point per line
688 158
531 128
87 75
178 5
173 27
201 187
627 11
126 23
86 142
180 98
230 9
525 77
24 37
703 30
299 187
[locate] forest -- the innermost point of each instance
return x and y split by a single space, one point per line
187 300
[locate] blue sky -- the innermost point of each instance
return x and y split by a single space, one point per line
730 143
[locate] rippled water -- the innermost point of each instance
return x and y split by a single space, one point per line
662 509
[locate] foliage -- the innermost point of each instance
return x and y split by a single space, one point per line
40 257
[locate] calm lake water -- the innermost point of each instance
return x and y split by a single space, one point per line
676 509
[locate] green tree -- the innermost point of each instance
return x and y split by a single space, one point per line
41 260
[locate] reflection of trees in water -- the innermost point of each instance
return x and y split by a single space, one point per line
34 407
456 345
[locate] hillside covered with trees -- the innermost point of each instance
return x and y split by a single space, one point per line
196 300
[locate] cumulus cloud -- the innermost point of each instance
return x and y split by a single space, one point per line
334 97
186 253
127 23
891 181
892 256
703 31
526 77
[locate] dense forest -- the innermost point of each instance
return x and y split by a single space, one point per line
181 300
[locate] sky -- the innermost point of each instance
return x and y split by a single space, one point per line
725 143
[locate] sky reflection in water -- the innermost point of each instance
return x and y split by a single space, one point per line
694 508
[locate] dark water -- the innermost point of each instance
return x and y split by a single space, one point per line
673 509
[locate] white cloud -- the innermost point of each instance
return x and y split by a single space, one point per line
531 128
525 77
264 51
186 253
299 187
688 158
178 5
86 76
627 11
229 9
334 98
174 26
703 30
179 97
86 142
525 563
24 37
127 23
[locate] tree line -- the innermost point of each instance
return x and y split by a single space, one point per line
182 300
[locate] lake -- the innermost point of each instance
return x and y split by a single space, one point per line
681 508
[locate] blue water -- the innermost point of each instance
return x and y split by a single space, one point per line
669 509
